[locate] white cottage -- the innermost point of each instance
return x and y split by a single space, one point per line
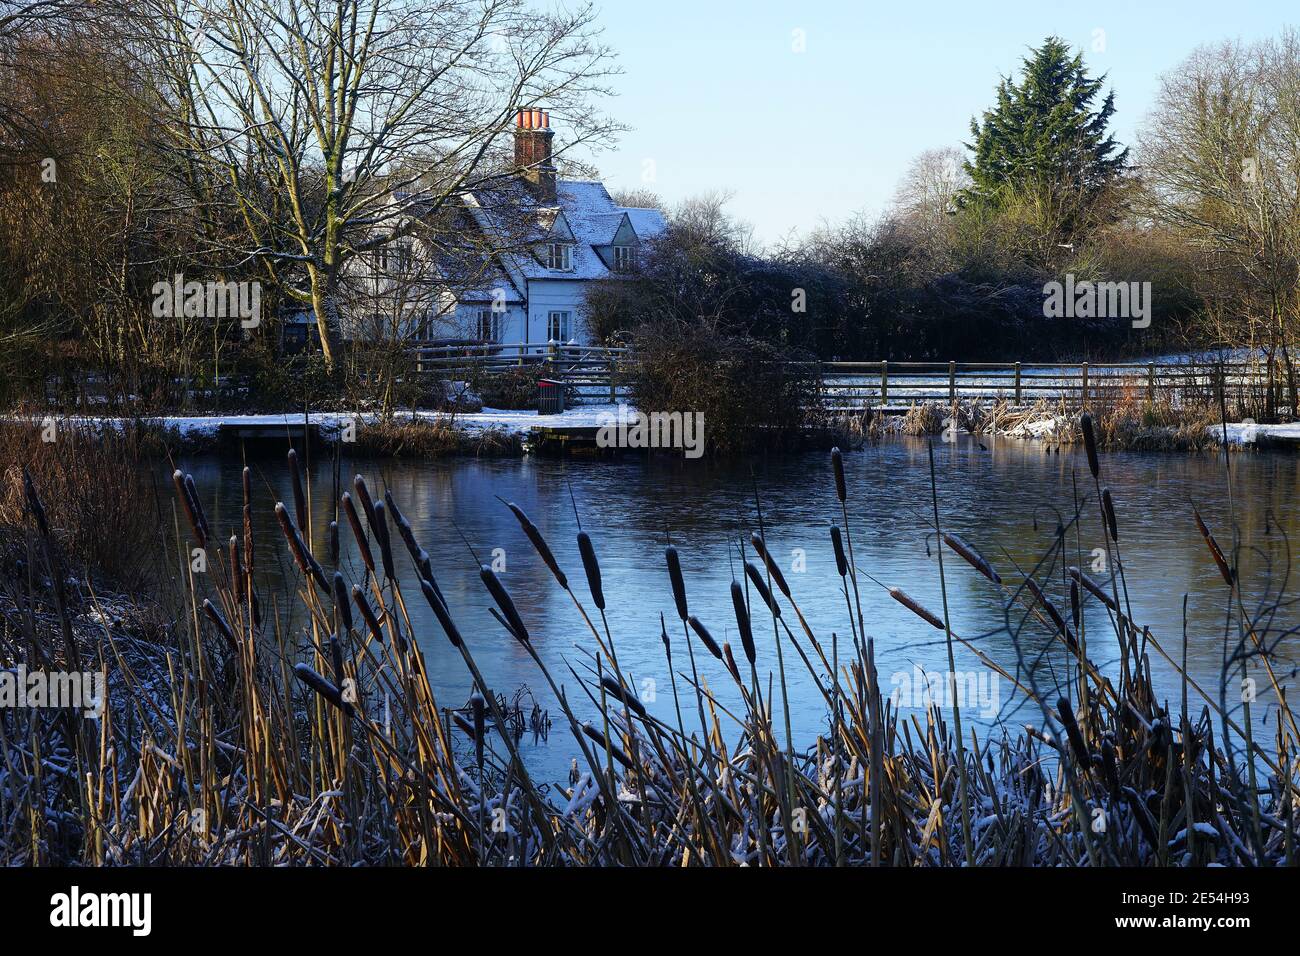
537 244
554 237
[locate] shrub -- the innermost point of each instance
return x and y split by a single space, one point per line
751 393
99 508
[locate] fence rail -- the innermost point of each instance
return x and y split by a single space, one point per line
599 374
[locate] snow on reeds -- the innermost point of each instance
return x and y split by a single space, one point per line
230 737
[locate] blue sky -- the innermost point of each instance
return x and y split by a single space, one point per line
719 99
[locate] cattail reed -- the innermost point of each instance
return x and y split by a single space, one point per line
322 686
37 509
333 541
920 611
236 570
441 612
1080 749
742 621
730 660
367 503
616 752
539 544
336 659
341 601
756 578
837 464
1108 509
302 555
971 557
363 543
676 580
504 601
773 568
1094 588
615 689
367 615
841 559
705 637
1090 443
299 495
1047 605
1215 551
219 620
592 567
188 505
380 528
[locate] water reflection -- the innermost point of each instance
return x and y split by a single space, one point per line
1004 498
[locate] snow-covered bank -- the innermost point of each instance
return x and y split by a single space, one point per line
330 424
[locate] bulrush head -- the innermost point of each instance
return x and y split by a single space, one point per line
367 615
322 686
380 528
773 568
1108 509
1090 443
367 503
504 601
971 557
592 567
615 689
901 596
837 464
363 542
841 560
219 621
543 549
188 505
756 578
675 578
341 601
705 637
302 555
299 495
441 612
742 621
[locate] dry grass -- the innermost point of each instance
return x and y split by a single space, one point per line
234 738
102 510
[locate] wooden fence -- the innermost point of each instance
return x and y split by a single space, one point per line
598 374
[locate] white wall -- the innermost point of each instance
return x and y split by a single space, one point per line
555 295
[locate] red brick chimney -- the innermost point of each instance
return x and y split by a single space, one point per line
533 135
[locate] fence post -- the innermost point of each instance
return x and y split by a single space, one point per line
1151 381
613 387
884 383
952 381
1084 368
1017 383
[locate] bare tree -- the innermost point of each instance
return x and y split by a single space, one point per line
332 126
1221 160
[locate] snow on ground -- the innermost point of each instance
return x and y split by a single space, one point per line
1248 433
511 422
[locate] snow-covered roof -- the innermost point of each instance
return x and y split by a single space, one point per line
523 224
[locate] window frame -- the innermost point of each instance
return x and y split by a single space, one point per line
495 325
624 258
563 325
561 251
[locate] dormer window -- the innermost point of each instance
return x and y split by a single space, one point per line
559 256
624 258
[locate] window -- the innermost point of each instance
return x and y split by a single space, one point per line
559 256
559 326
624 258
489 325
